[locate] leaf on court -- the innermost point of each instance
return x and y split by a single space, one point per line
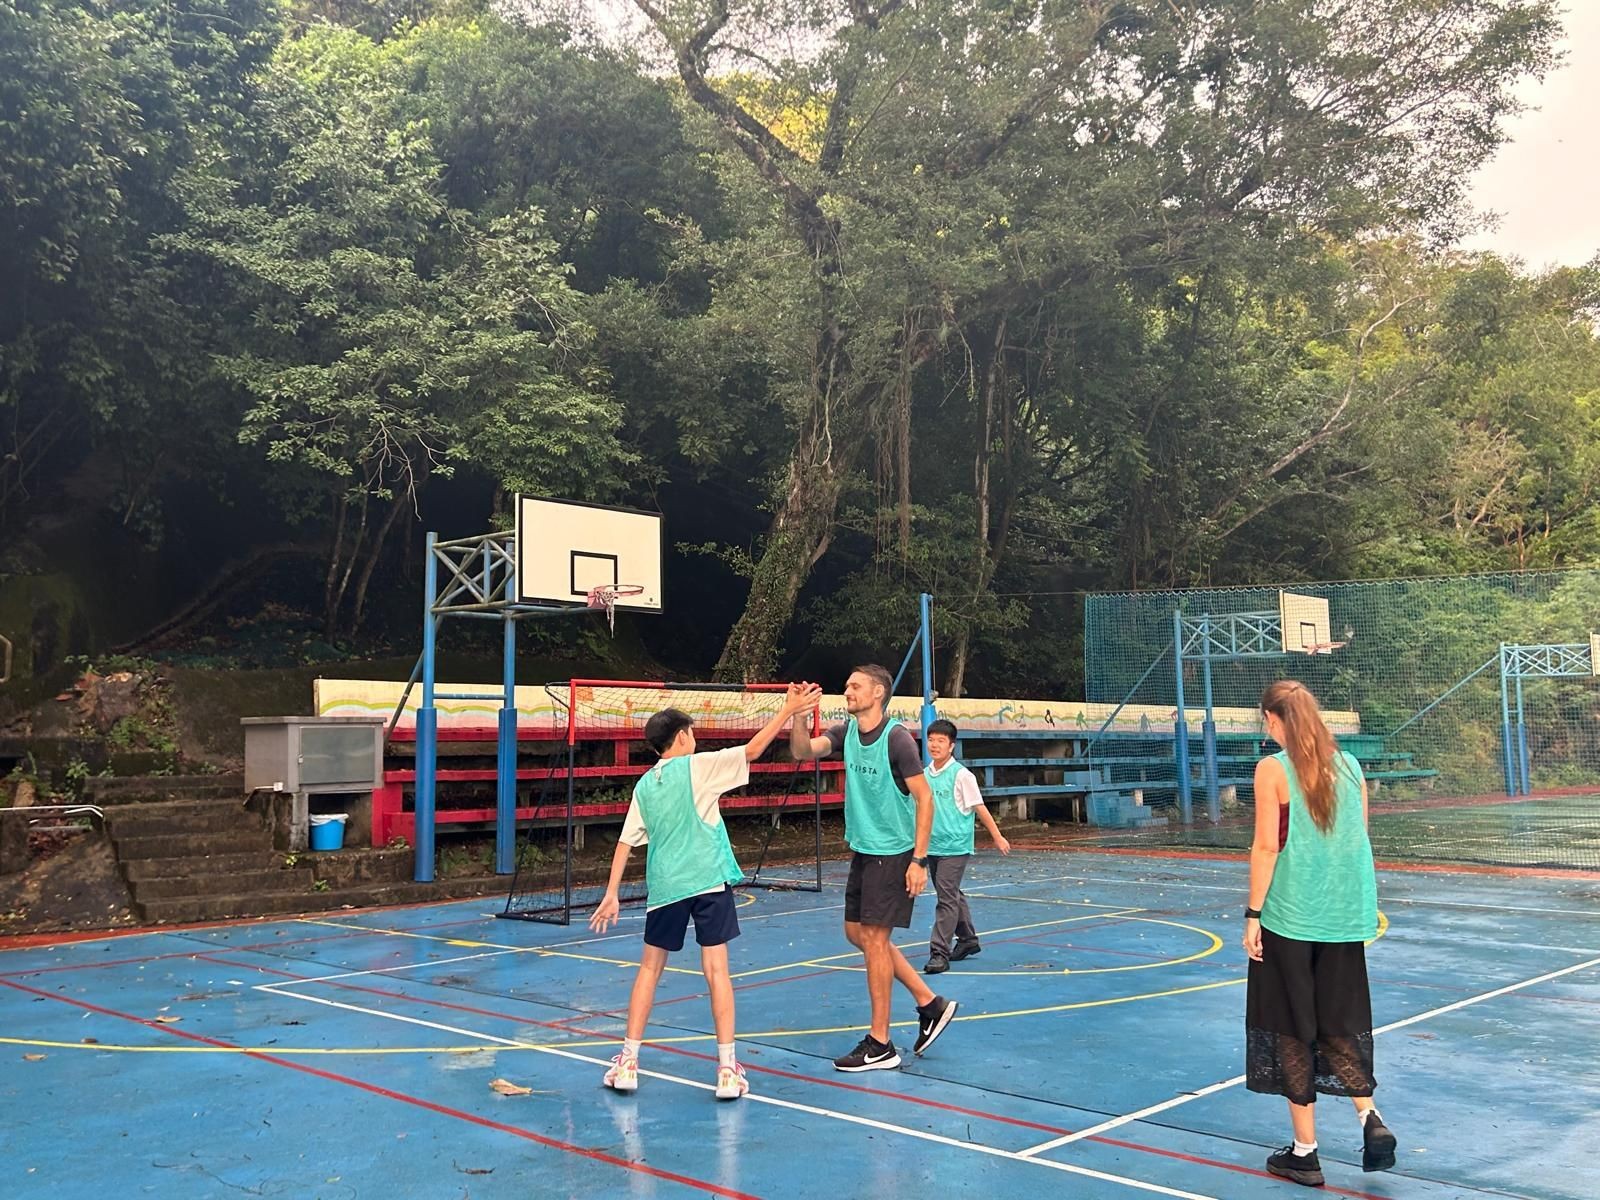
472 1170
168 1020
506 1088
91 1041
33 1058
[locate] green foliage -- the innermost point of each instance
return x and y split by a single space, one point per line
1001 302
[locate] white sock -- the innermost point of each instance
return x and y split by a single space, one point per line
1368 1112
630 1047
725 1056
1301 1149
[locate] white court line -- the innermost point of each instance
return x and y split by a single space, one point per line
1387 900
1189 1097
431 962
772 1101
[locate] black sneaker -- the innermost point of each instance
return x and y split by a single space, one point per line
1377 1145
870 1055
938 964
1301 1168
932 1018
964 950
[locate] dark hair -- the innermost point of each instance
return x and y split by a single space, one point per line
948 728
662 729
1311 745
878 675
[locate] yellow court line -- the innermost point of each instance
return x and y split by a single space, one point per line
827 958
501 1047
1049 972
429 937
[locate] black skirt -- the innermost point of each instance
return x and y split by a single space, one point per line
1308 1020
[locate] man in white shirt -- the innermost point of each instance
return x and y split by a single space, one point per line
956 803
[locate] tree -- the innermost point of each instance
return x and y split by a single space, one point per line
975 161
382 337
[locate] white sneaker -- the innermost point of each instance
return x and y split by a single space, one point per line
624 1073
731 1083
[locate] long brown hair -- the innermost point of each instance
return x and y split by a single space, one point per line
1310 743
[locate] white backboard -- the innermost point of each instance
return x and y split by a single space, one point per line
566 547
1305 622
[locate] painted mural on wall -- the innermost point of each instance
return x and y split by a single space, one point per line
544 708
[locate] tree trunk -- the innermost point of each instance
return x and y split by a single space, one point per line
796 539
359 608
955 677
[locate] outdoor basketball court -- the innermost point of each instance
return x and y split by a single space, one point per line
1097 1053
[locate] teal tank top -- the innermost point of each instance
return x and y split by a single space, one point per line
1325 888
952 829
685 855
878 817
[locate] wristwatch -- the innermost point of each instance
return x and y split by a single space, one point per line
920 862
1252 914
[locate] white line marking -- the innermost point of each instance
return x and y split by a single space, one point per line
1187 1097
1183 885
432 962
754 1097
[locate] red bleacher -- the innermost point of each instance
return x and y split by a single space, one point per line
391 818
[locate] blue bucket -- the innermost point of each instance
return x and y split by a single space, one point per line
327 831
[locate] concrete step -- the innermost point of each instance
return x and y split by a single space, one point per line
145 789
248 862
226 883
359 867
192 845
180 817
283 903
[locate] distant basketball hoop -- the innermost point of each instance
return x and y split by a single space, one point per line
1324 647
606 596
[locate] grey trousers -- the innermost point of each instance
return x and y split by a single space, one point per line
952 917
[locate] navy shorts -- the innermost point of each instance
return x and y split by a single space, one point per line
716 923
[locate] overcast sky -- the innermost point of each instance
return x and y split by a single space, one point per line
1545 182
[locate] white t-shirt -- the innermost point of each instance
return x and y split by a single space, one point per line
968 798
710 775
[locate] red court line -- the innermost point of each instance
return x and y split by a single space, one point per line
709 1188
569 1022
833 1083
251 946
32 941
1243 856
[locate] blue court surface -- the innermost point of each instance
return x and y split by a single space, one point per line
1097 1054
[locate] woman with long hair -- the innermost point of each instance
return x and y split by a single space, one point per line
1313 906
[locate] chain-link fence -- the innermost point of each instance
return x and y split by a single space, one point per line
1422 668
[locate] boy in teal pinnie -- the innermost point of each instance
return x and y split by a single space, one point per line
957 804
689 867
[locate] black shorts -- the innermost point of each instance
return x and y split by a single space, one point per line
716 923
1308 1020
876 893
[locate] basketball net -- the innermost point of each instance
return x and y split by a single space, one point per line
606 596
1325 647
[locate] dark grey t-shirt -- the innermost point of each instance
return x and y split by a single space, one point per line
905 760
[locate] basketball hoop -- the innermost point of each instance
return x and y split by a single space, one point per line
606 596
1326 647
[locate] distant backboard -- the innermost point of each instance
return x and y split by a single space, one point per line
1305 623
566 547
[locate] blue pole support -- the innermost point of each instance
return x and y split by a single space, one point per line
1208 730
1180 727
505 796
1505 725
1526 782
427 721
929 713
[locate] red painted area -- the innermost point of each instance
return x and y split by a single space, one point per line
711 1189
